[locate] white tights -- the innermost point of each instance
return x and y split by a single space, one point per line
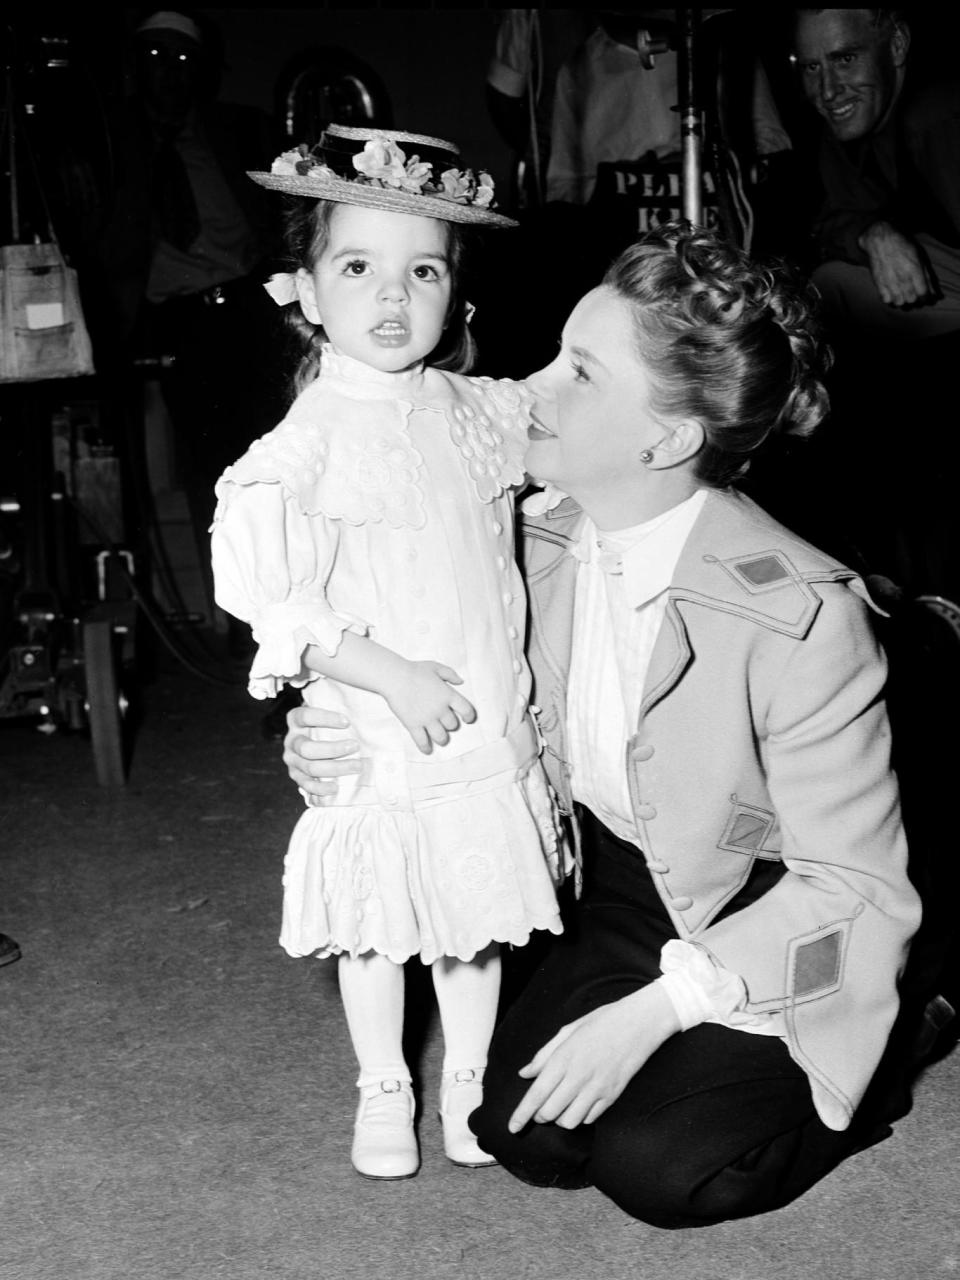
372 990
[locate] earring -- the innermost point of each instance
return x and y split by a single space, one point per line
646 456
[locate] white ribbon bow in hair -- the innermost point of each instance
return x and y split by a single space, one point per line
282 288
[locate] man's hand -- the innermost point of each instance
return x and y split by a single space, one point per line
588 1063
315 766
897 266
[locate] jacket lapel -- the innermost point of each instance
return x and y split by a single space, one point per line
722 569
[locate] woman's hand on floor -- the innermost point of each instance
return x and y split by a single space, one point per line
587 1065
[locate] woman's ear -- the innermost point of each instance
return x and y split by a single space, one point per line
307 293
683 440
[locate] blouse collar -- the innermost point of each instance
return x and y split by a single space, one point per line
646 555
335 364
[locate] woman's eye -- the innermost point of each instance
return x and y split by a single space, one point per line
579 373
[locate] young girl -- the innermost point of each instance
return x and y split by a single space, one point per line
369 539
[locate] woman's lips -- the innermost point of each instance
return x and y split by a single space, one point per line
537 431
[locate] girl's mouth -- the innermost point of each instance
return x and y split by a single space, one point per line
391 333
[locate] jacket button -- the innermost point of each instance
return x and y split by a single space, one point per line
646 811
643 752
681 904
658 868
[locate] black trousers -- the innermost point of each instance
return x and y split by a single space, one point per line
718 1124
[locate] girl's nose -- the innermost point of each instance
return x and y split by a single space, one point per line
394 290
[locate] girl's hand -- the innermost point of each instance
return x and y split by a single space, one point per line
315 766
425 704
588 1063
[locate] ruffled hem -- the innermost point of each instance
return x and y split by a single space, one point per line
552 925
444 880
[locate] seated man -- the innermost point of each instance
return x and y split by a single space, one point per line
889 231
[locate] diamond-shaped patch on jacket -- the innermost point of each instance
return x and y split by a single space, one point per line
763 571
817 964
748 830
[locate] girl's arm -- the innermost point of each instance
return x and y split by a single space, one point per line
271 564
418 693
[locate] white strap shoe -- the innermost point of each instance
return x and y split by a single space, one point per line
460 1093
384 1143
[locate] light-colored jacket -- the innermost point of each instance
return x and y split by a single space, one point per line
762 734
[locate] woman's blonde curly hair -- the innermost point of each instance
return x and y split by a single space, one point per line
731 343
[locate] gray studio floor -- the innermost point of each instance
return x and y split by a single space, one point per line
177 1094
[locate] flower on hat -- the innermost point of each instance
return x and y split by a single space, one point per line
463 186
416 175
285 165
381 159
484 193
457 184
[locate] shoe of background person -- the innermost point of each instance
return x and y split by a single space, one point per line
9 951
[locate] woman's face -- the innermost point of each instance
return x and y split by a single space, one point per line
592 415
381 286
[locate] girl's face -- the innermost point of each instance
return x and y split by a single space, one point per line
381 287
592 410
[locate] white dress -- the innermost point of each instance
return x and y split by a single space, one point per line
382 505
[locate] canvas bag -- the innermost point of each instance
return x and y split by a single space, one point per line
42 331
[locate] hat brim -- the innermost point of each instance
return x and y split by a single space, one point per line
329 187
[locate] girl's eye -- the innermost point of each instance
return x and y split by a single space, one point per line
425 272
579 373
355 267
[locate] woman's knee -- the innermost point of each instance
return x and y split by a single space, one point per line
674 1179
542 1154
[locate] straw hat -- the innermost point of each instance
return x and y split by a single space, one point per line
385 169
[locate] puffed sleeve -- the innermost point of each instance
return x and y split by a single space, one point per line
271 565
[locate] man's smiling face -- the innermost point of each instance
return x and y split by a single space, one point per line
850 68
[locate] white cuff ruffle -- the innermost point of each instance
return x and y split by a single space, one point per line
703 991
283 632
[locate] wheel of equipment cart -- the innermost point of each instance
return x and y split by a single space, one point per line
104 701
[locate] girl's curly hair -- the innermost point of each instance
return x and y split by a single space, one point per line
729 342
306 234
